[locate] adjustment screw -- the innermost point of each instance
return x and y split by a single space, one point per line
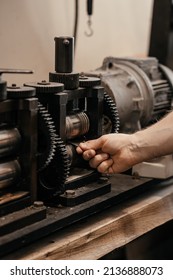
82 76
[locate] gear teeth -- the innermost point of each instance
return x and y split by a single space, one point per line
88 82
70 80
16 92
45 116
56 151
109 106
46 88
63 152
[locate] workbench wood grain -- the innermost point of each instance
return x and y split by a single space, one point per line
103 232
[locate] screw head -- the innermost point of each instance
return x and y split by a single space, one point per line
66 42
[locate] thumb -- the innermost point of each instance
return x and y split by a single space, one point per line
91 144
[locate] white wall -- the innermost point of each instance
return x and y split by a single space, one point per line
28 28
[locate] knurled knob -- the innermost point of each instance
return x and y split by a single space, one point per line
46 87
87 82
70 80
17 92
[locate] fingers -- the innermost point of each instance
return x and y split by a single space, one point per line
102 162
89 154
106 167
79 150
91 151
90 148
91 144
97 159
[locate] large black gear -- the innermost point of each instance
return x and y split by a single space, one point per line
110 111
52 179
46 138
53 160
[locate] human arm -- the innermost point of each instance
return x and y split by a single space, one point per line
115 153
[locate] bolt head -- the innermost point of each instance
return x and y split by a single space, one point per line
70 193
38 204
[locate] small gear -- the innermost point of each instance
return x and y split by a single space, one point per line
17 92
87 82
45 87
110 115
70 80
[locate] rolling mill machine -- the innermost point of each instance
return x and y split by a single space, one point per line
41 175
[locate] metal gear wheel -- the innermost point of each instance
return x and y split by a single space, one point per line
44 87
46 138
53 160
87 82
70 80
52 179
17 92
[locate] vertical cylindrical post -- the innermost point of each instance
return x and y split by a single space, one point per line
64 54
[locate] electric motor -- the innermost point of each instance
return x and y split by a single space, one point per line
141 89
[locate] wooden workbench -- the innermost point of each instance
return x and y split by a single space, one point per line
106 231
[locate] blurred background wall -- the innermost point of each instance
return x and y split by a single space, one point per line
28 28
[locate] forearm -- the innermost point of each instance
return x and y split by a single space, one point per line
156 140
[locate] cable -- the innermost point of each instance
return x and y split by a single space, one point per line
76 22
89 7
